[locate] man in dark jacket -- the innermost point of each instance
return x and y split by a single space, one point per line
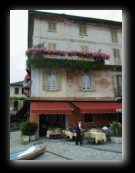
78 134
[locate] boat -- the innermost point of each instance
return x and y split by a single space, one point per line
30 153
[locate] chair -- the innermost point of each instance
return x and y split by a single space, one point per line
64 137
52 134
107 133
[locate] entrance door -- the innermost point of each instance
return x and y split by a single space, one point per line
47 121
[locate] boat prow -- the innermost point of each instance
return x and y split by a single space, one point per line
32 152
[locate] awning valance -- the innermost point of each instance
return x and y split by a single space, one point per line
99 107
50 108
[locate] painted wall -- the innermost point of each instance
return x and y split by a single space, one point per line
67 37
70 89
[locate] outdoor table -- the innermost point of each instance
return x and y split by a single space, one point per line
99 136
70 134
50 132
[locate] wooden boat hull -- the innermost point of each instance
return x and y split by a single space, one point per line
31 152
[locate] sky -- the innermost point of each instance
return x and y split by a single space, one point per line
19 35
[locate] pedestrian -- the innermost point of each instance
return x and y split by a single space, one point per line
78 134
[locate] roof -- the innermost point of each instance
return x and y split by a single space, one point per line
81 18
20 83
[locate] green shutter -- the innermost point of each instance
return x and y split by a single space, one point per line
44 80
116 92
58 77
80 81
92 82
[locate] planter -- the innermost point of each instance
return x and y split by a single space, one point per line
118 140
32 137
25 138
112 139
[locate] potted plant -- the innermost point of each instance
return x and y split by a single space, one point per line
116 134
112 137
118 138
28 129
25 130
34 128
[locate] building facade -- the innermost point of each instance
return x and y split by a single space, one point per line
16 91
75 70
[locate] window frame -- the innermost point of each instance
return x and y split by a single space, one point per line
16 91
16 104
45 80
82 29
84 48
92 82
85 82
52 46
52 26
52 86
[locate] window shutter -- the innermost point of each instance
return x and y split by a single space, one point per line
112 34
58 75
80 81
81 30
116 92
45 75
92 82
52 46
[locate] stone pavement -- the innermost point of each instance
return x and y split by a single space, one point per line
65 150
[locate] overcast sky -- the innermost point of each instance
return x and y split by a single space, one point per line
19 35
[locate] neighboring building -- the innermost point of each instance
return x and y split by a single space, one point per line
18 102
16 91
67 87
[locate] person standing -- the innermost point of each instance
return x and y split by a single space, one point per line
78 134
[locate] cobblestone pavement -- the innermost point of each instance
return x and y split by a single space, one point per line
58 150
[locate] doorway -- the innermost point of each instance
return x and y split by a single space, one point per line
49 121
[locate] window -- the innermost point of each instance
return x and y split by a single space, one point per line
88 118
84 48
114 36
83 29
15 105
119 78
51 81
16 90
117 85
22 90
52 46
86 82
116 53
52 26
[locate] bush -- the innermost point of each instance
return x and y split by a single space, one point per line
119 132
28 128
116 129
34 127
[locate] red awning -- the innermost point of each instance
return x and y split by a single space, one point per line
99 107
50 108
